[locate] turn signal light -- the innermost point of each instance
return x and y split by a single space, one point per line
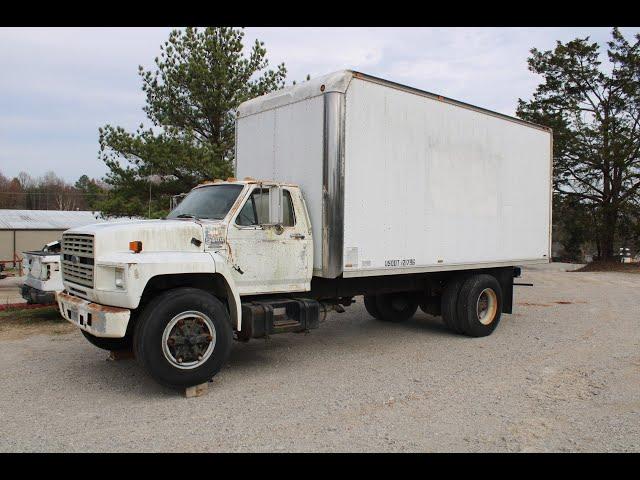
136 246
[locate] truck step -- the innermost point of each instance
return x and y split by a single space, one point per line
261 318
283 326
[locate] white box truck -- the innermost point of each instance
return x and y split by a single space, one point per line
347 185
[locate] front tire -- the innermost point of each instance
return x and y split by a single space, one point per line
183 337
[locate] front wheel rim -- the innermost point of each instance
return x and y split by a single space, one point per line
487 306
188 340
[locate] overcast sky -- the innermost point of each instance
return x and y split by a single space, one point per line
59 85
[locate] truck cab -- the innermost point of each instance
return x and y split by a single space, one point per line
233 239
269 243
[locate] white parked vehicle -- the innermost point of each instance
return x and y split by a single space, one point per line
352 186
42 274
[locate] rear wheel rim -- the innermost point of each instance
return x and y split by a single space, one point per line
487 306
188 340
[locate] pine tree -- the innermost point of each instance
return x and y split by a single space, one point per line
200 78
594 111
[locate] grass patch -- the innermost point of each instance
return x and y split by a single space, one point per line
18 323
32 314
610 267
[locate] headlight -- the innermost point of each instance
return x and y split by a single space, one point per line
110 277
119 278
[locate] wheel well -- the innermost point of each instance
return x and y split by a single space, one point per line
209 282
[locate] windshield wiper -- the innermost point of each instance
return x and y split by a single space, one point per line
187 215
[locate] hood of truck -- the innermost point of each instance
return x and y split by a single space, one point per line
155 235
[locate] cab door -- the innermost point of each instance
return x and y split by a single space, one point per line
271 248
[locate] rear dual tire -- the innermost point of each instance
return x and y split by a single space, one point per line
391 307
450 302
472 305
371 306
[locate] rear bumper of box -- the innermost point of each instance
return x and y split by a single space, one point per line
98 320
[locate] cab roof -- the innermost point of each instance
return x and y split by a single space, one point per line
339 82
244 181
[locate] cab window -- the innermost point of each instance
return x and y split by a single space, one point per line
256 209
288 215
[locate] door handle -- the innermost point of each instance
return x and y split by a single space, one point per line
297 236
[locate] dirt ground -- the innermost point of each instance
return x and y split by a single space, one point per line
611 267
560 374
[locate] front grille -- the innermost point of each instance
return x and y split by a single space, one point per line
77 258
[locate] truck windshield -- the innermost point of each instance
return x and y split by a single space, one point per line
211 202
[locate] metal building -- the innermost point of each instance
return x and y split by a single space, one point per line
22 230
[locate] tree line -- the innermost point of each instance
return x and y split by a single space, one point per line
199 79
50 192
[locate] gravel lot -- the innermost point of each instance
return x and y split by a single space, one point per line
561 374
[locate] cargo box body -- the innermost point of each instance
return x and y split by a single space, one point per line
397 180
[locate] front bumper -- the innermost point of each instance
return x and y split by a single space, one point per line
98 320
34 295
